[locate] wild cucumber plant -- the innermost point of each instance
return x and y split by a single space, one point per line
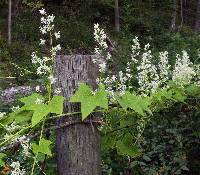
158 87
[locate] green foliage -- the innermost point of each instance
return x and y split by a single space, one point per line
139 104
2 163
87 106
125 146
33 5
35 112
43 147
31 100
40 111
56 105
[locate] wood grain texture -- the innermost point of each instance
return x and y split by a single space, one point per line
78 146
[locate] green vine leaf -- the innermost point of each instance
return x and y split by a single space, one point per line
137 103
31 99
56 104
23 116
89 101
40 112
101 97
43 147
2 163
37 111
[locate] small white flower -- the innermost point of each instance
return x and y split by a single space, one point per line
37 88
43 30
108 56
52 79
39 101
2 114
146 47
57 34
57 91
15 108
58 47
42 42
42 11
50 18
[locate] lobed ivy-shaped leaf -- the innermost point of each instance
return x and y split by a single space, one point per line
36 112
2 163
42 110
137 103
89 101
43 147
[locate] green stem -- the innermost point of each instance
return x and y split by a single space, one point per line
35 157
50 89
73 113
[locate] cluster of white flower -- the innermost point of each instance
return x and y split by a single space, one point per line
42 68
47 24
128 70
121 87
54 50
44 64
2 115
26 146
12 127
184 70
135 50
164 68
101 49
117 84
148 78
100 38
110 82
16 169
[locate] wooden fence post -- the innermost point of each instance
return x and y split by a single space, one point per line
78 145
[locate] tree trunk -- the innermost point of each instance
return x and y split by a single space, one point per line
117 26
9 20
197 21
78 145
174 16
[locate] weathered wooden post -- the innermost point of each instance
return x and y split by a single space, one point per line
78 144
